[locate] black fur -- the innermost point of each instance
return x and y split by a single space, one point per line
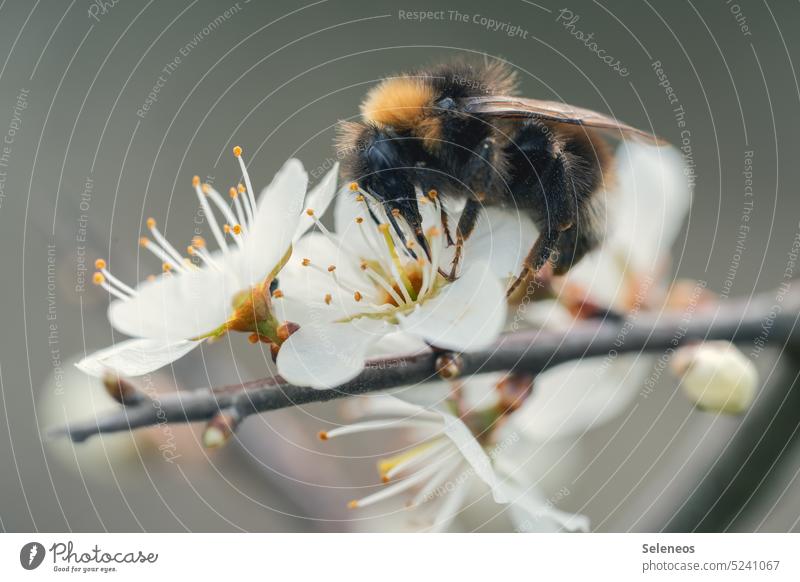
544 170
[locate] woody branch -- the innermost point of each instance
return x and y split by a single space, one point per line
769 318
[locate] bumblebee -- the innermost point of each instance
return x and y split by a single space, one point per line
461 130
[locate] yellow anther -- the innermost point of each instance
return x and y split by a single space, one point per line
384 228
360 198
331 268
232 192
166 267
99 264
310 211
198 242
364 265
151 278
98 279
226 228
305 262
151 223
144 241
396 212
196 181
434 232
359 219
253 338
277 294
241 188
352 504
357 296
237 229
328 299
432 194
237 151
206 188
354 186
323 435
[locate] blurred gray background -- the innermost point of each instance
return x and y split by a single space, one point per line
84 165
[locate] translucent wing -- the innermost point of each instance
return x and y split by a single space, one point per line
522 108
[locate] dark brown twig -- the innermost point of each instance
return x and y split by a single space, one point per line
530 352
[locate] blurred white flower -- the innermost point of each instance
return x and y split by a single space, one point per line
204 295
716 376
367 280
450 454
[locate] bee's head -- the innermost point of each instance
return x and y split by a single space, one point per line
409 104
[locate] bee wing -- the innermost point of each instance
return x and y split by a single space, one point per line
522 108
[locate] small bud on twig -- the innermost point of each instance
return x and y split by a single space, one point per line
449 365
122 390
220 428
716 376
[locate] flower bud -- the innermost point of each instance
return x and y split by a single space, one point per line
716 376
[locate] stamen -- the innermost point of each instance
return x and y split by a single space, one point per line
212 220
376 278
161 253
99 279
398 487
237 151
162 240
219 202
425 494
398 271
100 264
328 298
393 466
370 425
243 217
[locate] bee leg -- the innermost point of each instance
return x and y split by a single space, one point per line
446 226
537 257
466 224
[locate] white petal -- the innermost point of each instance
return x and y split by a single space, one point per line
501 239
325 355
530 512
275 223
574 397
467 314
312 283
318 200
177 306
135 357
653 201
469 448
